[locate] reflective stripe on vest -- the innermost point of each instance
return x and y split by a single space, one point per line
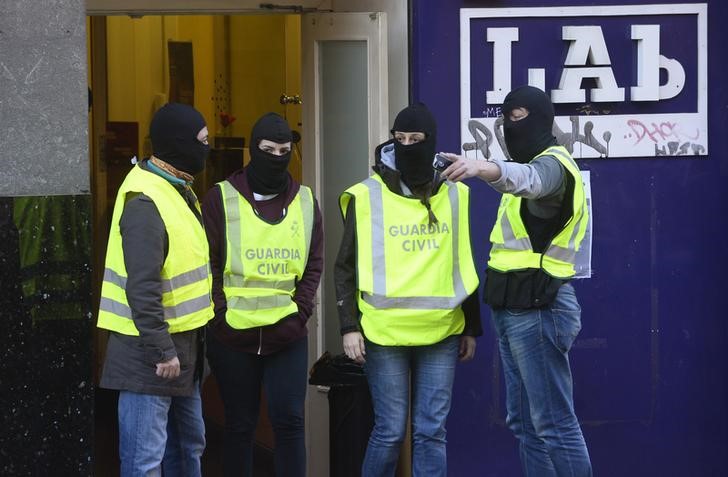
181 309
168 285
255 298
414 310
185 276
511 247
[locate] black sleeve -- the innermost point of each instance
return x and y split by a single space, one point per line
306 288
471 310
214 219
471 305
345 275
144 242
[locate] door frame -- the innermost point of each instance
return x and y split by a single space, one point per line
202 7
340 27
317 28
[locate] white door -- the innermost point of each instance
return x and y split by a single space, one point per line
345 116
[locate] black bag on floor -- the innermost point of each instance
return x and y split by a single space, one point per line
351 416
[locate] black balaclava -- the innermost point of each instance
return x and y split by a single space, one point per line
414 161
173 133
531 135
268 173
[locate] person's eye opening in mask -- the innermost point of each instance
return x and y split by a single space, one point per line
277 149
407 138
516 114
203 136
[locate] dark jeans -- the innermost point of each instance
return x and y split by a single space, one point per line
283 376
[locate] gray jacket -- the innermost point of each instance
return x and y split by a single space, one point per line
131 361
540 182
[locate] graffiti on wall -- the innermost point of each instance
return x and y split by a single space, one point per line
581 139
575 137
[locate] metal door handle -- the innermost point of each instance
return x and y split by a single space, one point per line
295 99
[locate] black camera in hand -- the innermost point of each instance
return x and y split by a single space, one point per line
440 163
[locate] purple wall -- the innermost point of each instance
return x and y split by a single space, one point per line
650 366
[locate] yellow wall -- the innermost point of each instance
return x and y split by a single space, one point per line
293 112
135 65
257 68
138 66
240 67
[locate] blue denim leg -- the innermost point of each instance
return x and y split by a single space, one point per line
185 437
535 458
387 370
433 373
142 433
534 346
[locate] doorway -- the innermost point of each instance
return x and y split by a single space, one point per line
233 69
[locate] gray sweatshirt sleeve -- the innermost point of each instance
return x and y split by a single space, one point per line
144 242
540 179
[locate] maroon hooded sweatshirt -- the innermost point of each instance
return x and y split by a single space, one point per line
262 340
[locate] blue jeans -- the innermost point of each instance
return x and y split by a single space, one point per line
388 370
240 377
534 346
160 433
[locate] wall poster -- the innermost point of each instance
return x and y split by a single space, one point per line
626 81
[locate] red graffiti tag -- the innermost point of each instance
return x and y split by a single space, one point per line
658 133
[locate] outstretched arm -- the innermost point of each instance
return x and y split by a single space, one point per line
464 168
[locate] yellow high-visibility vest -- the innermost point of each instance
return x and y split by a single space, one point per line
186 279
511 246
54 254
412 276
263 261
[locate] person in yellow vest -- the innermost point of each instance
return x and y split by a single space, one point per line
155 301
406 293
266 255
540 226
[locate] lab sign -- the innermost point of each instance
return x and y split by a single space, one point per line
626 81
